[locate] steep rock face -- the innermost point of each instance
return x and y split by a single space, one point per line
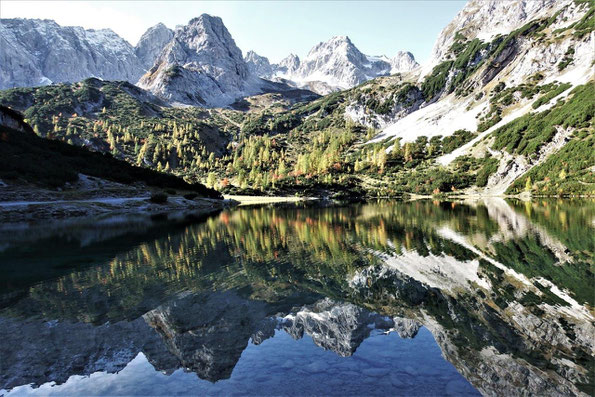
337 64
13 119
490 44
39 52
258 65
152 43
406 327
201 65
288 65
486 19
403 61
330 66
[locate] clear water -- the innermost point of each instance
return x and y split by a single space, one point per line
385 298
383 364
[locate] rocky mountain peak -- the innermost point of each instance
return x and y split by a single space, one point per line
206 19
39 52
201 65
196 64
251 55
338 64
258 65
403 61
485 19
207 34
337 41
337 46
291 62
152 43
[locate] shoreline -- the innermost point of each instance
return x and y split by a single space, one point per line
14 214
257 200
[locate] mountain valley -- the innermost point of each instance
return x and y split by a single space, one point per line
182 217
501 109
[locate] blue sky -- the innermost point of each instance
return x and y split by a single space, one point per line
271 28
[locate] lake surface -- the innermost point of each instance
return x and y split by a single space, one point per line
423 298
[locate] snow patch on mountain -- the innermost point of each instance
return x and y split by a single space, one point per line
532 56
439 118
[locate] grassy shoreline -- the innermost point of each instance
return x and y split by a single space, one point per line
256 200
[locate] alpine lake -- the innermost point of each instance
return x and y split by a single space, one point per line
418 298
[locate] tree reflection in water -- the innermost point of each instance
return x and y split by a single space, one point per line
504 287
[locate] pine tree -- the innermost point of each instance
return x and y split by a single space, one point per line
358 166
282 169
211 179
528 184
381 160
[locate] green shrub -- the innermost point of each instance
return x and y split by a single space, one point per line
586 25
526 134
456 140
567 171
484 126
551 95
567 60
490 166
435 83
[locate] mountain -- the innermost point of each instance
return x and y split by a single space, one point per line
485 19
152 43
498 112
403 61
197 64
258 65
330 66
37 52
288 65
203 66
64 164
496 71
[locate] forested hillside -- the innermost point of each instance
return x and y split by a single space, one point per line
27 158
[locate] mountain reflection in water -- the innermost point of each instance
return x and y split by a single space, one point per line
504 288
